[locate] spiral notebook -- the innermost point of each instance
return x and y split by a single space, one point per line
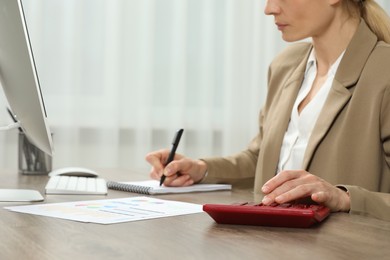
152 187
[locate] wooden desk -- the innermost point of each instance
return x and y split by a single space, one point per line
24 236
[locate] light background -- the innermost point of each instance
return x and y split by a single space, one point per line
119 77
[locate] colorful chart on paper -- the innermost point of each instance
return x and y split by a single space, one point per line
111 211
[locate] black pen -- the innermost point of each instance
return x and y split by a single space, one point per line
175 144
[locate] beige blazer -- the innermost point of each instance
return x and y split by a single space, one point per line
350 143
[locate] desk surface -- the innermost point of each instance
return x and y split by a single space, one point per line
196 236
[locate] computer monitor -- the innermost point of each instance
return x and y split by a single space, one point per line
19 78
18 75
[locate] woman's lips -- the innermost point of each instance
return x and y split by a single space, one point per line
281 26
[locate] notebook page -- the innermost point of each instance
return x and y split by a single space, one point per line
153 187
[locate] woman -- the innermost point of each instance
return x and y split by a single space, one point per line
325 128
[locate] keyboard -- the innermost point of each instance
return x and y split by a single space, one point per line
76 185
276 215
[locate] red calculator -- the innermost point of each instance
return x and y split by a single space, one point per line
276 215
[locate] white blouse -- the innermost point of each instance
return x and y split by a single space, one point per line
301 125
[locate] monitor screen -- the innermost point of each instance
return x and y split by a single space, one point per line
18 75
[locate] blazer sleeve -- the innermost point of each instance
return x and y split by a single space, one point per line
237 168
363 201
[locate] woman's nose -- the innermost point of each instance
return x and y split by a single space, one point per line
271 7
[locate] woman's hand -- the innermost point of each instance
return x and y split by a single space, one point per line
182 171
293 185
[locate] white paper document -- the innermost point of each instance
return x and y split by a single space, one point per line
112 210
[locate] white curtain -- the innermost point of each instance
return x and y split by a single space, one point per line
119 77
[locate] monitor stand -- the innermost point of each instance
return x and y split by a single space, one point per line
19 195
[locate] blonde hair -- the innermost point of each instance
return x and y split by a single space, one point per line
373 14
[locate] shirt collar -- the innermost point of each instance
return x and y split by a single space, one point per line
312 63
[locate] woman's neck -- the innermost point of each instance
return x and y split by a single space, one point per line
329 45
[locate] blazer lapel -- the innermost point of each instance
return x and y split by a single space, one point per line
280 117
347 75
337 98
